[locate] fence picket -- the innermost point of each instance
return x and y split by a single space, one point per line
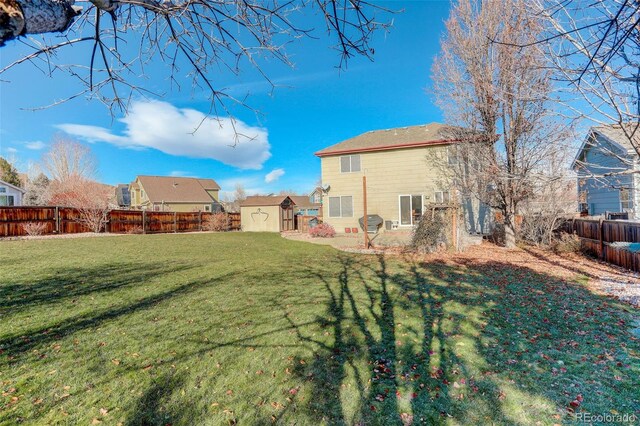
64 220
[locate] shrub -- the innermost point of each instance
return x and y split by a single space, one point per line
431 233
566 243
216 222
323 230
34 228
135 230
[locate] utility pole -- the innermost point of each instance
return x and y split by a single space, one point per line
364 197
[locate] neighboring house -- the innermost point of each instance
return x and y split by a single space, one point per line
316 195
123 196
10 195
175 194
401 178
305 206
607 167
271 213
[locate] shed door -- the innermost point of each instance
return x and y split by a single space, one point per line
288 223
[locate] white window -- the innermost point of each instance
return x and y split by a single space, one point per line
442 197
625 199
207 208
3 189
141 194
341 206
6 200
411 208
350 163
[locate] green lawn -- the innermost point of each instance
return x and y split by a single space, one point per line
254 329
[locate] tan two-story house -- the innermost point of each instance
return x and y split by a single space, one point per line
401 177
174 194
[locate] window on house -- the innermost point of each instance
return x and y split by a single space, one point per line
341 206
3 189
350 163
442 197
6 200
411 207
625 199
141 194
207 208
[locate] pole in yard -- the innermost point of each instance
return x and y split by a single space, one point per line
364 197
454 227
175 222
601 237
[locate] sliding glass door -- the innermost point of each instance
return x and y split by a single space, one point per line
410 209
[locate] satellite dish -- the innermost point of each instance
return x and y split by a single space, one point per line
326 188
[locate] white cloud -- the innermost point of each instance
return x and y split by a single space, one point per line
273 175
34 145
183 132
180 173
11 150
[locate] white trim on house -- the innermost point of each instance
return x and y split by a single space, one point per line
400 224
584 144
13 187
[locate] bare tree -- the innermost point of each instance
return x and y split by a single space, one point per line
194 37
37 190
68 159
91 200
496 97
232 203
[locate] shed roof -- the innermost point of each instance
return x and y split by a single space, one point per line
402 137
177 189
264 200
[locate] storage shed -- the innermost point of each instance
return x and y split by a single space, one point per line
267 214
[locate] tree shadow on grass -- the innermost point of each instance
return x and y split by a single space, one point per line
12 346
71 283
495 342
154 407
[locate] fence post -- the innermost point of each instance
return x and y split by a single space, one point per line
601 237
175 222
144 221
57 219
200 220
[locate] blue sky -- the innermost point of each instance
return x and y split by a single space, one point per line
314 106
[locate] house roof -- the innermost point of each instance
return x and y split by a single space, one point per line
624 137
304 202
265 200
170 189
402 137
12 186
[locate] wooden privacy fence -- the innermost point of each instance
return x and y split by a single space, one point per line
597 237
65 220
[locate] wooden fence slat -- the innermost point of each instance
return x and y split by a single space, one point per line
596 237
64 220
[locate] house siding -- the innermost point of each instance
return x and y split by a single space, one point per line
17 195
389 174
603 194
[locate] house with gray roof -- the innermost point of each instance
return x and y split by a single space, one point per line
401 178
608 171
